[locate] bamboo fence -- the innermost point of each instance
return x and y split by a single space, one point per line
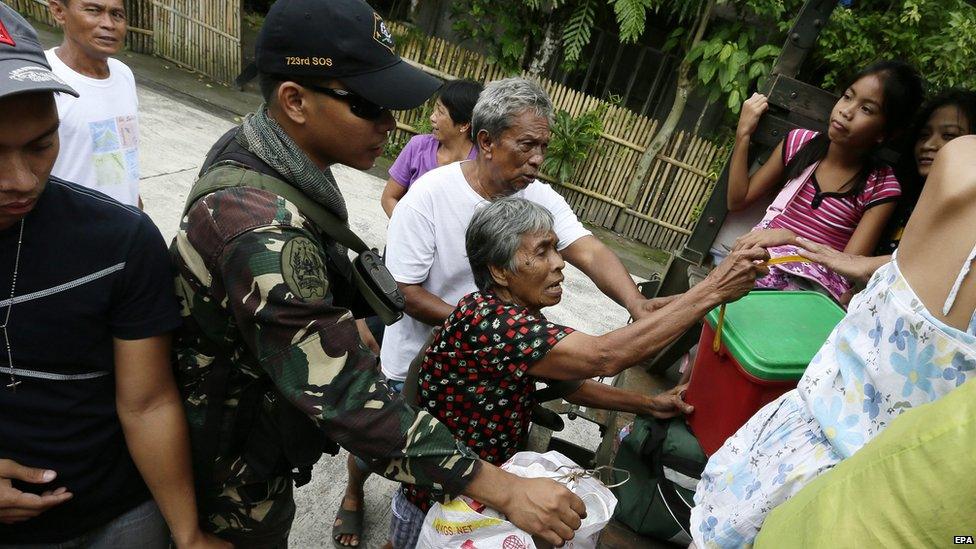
677 185
140 37
203 35
33 9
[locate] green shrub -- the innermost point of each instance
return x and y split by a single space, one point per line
571 140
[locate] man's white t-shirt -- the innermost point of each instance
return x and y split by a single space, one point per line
425 245
99 131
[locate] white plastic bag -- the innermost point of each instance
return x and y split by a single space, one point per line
457 525
600 501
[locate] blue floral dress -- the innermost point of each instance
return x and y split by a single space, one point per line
889 354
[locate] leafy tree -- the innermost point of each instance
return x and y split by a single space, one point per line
578 29
721 58
501 27
507 27
937 36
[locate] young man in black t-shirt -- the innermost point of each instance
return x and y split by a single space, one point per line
91 423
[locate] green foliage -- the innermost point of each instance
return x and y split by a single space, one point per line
579 18
403 34
398 139
674 38
724 142
576 33
681 13
571 141
502 27
393 147
253 20
728 63
424 125
631 16
732 55
937 36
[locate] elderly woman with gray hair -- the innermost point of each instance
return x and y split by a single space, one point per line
479 373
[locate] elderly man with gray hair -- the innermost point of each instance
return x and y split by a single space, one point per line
478 376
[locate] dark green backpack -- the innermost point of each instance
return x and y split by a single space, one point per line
665 463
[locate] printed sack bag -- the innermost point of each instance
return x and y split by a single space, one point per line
467 524
457 525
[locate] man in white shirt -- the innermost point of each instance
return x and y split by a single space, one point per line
99 130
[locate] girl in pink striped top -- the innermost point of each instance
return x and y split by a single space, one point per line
836 192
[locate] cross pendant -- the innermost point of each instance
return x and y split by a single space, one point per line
13 385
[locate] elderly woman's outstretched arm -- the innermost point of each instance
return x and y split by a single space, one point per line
600 395
581 356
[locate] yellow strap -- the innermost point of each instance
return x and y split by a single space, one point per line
717 342
787 259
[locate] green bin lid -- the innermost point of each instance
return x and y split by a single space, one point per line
774 335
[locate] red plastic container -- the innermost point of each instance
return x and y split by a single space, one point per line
768 339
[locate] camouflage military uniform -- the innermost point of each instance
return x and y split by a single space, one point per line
253 282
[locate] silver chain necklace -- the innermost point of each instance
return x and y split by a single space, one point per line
6 321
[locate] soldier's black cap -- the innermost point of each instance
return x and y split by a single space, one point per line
23 67
342 39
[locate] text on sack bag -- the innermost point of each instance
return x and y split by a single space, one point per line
453 528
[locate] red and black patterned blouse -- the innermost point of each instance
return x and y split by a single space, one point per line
473 377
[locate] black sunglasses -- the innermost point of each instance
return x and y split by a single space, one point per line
361 107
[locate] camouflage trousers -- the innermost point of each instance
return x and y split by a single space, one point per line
252 516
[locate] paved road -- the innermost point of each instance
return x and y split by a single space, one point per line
174 140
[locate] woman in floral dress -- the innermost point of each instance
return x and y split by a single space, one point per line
908 339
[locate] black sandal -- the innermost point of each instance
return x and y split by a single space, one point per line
351 525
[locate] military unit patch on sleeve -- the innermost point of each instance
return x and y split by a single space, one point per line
303 269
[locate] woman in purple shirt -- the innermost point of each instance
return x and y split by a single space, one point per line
449 141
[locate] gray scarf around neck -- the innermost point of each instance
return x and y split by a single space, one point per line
264 137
